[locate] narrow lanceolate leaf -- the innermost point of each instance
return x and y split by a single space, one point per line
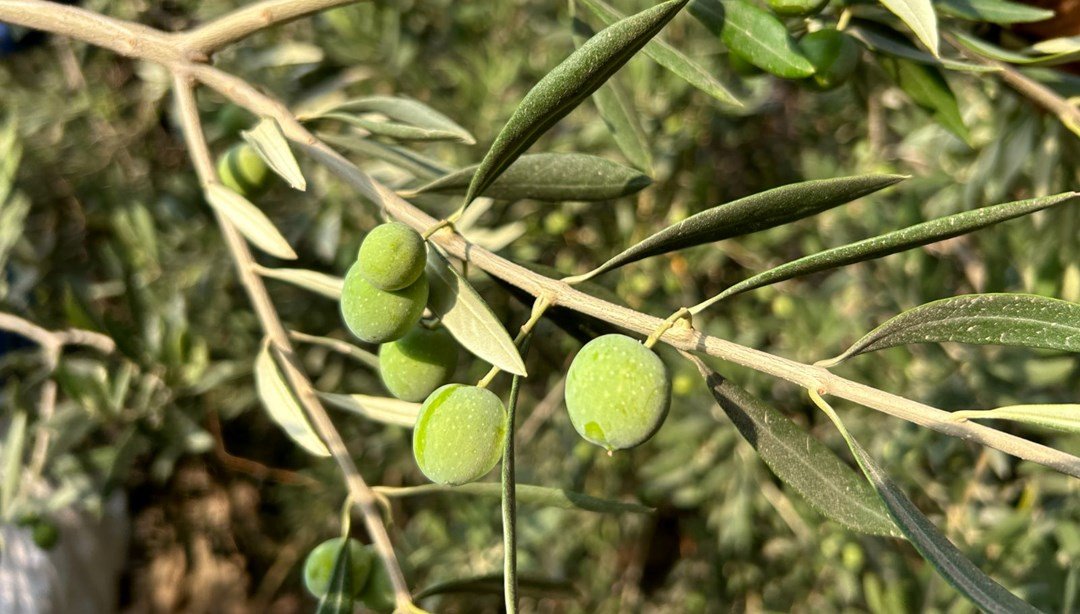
314 281
418 165
249 220
526 493
890 243
281 404
551 177
409 119
920 17
927 88
670 58
1064 417
270 143
614 105
993 11
755 35
566 86
877 37
1023 320
468 318
813 470
953 566
1029 57
339 592
379 409
756 212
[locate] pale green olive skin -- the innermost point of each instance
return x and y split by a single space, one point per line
392 256
319 566
617 392
378 593
459 434
378 316
243 171
412 367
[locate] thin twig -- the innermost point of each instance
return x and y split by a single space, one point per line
247 20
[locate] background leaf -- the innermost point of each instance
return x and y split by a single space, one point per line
755 35
379 409
250 221
319 283
526 493
993 11
927 87
409 119
883 39
281 404
1060 417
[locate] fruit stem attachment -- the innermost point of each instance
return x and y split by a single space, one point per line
683 314
540 305
448 222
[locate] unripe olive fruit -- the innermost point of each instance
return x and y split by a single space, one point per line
378 593
835 56
319 566
459 434
378 316
243 171
617 392
418 363
392 256
796 8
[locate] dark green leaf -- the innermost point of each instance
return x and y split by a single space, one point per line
409 119
756 212
526 493
549 177
880 38
755 35
890 243
813 470
1023 320
956 568
670 58
566 86
927 87
339 593
493 583
993 11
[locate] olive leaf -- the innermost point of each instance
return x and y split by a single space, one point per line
493 583
890 243
1060 417
670 58
613 104
339 592
249 220
337 345
314 281
928 89
756 212
1023 58
13 447
379 409
920 17
755 35
993 11
548 177
270 143
468 318
953 566
282 405
882 39
410 119
1023 320
566 86
814 471
418 165
526 493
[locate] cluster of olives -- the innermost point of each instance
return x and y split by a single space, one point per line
370 582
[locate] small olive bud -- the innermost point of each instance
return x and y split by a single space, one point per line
392 256
243 171
459 434
418 363
319 566
378 316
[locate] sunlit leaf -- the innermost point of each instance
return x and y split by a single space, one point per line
920 17
993 11
927 88
756 212
1061 417
409 119
314 281
755 35
670 58
281 404
249 220
468 318
890 243
526 493
1023 320
566 86
270 143
549 177
379 409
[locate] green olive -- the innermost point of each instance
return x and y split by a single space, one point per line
319 566
378 593
459 434
243 171
45 534
796 8
418 363
378 316
835 57
617 392
392 256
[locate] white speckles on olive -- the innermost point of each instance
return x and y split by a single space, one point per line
459 434
617 392
392 256
418 363
378 316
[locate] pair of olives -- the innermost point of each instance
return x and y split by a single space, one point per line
370 581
